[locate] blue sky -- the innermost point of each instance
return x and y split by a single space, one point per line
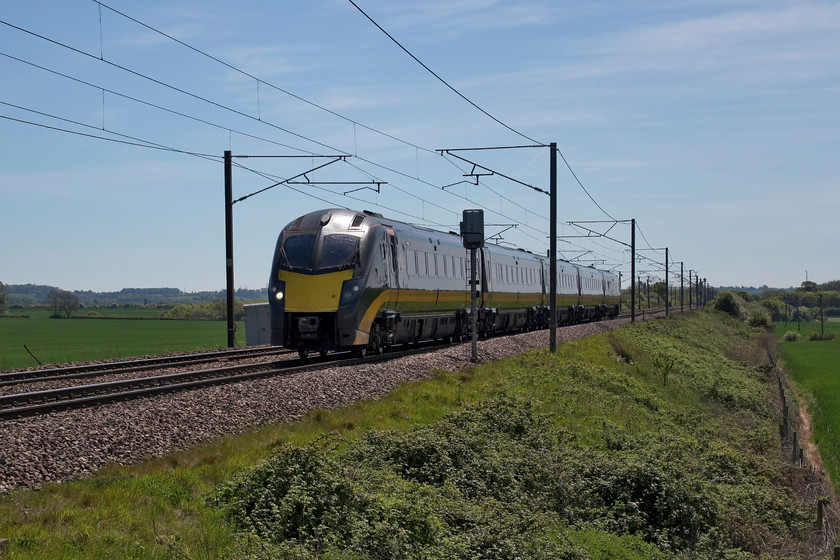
716 125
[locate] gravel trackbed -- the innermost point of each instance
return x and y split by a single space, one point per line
75 443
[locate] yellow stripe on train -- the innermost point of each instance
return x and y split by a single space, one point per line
313 293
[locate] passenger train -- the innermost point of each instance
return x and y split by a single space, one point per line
347 280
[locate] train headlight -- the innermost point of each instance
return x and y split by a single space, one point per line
350 293
279 295
351 290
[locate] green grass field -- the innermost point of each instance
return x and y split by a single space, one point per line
815 367
54 341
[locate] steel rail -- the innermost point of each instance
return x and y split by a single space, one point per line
43 402
128 366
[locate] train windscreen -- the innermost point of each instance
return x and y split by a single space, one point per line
339 251
299 251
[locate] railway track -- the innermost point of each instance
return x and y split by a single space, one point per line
129 366
41 402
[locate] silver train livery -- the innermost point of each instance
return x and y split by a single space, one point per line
347 280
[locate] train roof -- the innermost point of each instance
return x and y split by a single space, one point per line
356 220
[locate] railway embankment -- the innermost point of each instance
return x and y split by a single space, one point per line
656 440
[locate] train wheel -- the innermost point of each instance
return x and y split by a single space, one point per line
303 353
376 341
360 351
323 353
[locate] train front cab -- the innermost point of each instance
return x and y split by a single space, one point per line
316 277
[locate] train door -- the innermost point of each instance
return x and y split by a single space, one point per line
604 290
390 264
384 329
484 287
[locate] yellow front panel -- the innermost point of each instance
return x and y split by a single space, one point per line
313 293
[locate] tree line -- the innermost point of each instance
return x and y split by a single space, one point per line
802 303
64 303
38 295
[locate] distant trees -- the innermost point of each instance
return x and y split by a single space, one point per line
4 299
803 303
660 289
209 311
809 286
32 295
63 303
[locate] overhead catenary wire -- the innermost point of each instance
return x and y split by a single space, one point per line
444 82
206 100
283 90
139 143
216 104
166 85
476 106
153 105
260 80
